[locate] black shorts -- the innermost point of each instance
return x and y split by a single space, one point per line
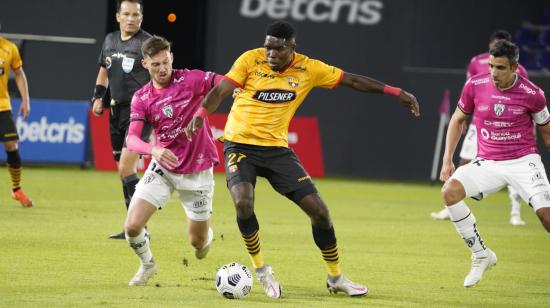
8 131
279 165
119 121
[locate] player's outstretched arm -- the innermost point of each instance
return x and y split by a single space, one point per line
23 87
209 104
367 84
454 131
135 144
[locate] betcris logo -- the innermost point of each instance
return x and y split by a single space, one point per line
70 132
55 132
363 12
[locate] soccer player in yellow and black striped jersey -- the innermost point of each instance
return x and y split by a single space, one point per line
11 60
274 81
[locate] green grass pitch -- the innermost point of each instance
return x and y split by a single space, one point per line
57 254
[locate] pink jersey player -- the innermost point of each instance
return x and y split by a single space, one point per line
168 103
169 109
504 118
505 106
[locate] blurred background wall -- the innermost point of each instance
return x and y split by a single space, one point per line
422 46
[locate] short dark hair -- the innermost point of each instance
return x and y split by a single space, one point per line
281 29
119 3
506 49
154 45
500 35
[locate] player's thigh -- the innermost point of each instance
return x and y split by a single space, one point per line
197 203
139 212
240 166
469 144
153 187
480 178
528 176
286 173
8 130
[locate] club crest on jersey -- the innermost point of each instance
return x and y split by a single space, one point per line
127 64
293 82
168 111
499 109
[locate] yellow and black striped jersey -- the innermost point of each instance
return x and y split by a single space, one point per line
262 110
9 60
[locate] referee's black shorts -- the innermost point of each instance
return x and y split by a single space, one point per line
119 121
279 165
8 131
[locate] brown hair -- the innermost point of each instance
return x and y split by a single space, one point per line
154 45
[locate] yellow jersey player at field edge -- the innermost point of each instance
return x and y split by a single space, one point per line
10 60
275 80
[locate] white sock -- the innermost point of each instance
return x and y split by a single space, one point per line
140 245
465 224
514 200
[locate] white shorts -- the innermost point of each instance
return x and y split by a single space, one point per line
469 144
482 177
195 190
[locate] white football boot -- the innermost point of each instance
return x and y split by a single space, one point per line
144 273
480 266
271 286
343 284
515 220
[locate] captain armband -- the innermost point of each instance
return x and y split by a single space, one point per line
542 117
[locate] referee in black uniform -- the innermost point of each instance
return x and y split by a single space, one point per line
121 70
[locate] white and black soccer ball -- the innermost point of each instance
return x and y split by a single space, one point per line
234 280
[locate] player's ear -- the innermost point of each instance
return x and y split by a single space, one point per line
514 67
144 63
172 56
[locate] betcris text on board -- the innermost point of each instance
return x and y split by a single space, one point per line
363 12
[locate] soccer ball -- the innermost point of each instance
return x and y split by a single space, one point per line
233 280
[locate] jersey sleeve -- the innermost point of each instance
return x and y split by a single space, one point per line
203 81
324 75
101 59
239 71
16 61
138 111
466 101
540 113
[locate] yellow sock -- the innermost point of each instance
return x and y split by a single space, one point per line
15 174
332 263
252 243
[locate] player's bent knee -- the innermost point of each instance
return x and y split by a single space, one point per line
132 229
452 192
244 205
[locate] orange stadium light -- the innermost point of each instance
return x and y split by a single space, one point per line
171 17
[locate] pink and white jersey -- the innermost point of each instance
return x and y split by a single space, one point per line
170 109
480 65
504 118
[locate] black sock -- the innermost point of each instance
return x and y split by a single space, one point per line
129 184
